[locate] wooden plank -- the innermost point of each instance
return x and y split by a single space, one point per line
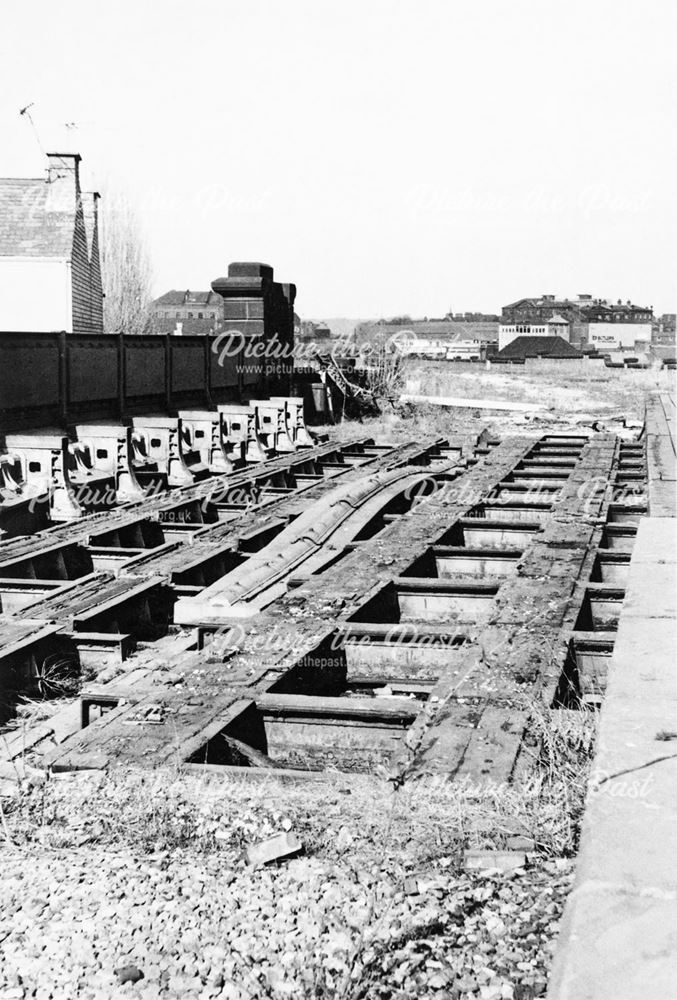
493 747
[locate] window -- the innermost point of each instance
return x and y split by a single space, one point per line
200 315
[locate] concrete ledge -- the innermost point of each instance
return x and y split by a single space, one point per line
619 933
621 946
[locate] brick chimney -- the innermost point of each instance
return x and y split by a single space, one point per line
63 178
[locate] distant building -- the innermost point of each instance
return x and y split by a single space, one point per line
622 326
310 331
432 336
556 326
476 326
592 322
50 269
187 312
664 330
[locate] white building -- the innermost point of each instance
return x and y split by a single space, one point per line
616 336
465 350
556 326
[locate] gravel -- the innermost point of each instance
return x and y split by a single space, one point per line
89 923
141 884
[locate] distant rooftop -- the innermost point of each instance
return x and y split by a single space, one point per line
537 347
585 303
187 297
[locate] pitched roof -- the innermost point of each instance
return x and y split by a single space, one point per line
185 296
531 300
32 225
537 347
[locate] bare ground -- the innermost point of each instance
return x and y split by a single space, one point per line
568 398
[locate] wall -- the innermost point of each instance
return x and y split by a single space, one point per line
95 279
609 336
81 276
54 379
35 295
584 366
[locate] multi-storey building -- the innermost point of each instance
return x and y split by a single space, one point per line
187 312
592 322
664 330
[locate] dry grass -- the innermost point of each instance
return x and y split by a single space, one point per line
567 392
423 819
567 397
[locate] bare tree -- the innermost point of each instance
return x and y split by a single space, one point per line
126 269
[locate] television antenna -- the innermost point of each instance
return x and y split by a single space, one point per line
26 112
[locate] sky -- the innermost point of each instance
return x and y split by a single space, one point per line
386 156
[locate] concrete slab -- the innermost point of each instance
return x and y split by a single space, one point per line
475 404
651 590
625 946
619 934
663 498
657 541
643 665
632 745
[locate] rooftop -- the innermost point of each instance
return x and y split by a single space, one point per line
537 347
176 297
28 225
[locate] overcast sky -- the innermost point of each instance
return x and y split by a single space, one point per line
385 156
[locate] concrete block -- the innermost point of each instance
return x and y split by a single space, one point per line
505 861
651 590
663 498
630 820
656 541
643 665
283 845
616 946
